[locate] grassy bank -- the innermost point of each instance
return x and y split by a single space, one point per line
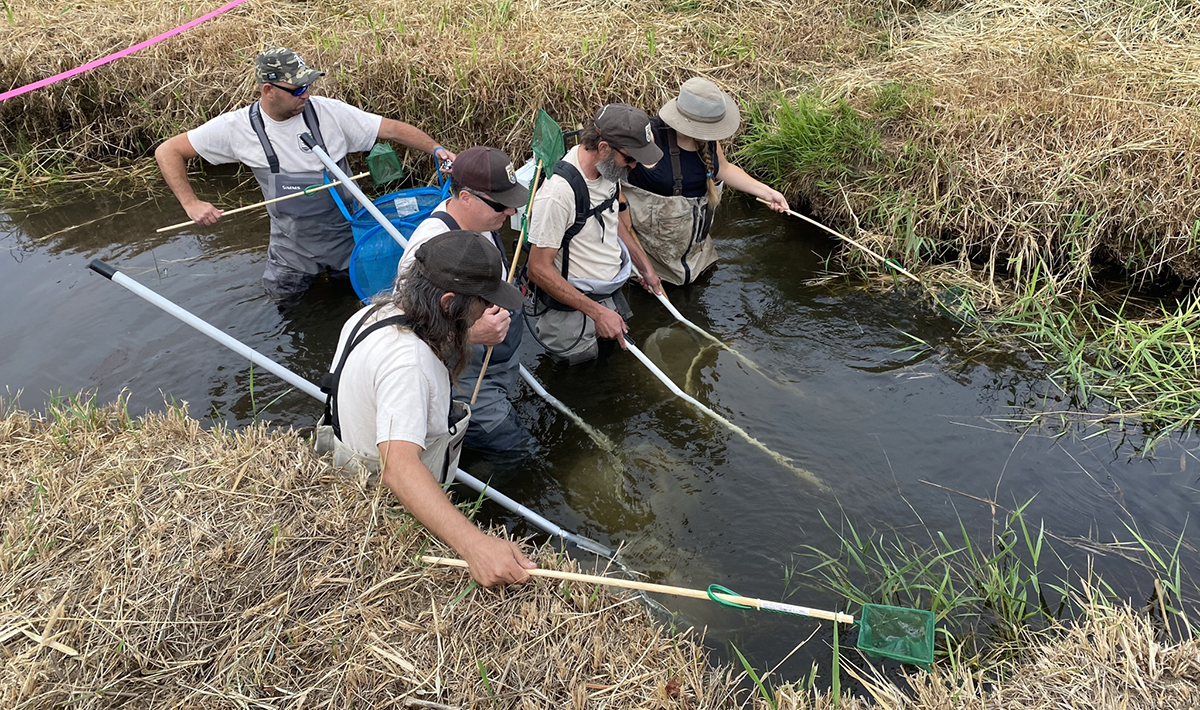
151 563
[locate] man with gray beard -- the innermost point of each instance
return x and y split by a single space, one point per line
581 253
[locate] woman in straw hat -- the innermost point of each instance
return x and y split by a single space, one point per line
672 204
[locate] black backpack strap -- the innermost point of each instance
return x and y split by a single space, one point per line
450 222
676 170
331 380
260 130
583 208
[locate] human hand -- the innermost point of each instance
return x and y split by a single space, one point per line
494 561
202 212
650 280
776 201
491 328
443 155
610 324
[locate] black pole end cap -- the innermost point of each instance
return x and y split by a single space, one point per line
102 268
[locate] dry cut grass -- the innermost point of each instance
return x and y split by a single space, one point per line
467 72
151 563
1028 135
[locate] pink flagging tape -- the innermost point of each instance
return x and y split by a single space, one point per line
117 55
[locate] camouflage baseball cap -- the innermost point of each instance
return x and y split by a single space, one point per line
282 64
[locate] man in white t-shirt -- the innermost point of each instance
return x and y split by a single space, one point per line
580 253
308 234
483 193
389 408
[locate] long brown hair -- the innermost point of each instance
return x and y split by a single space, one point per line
714 196
445 330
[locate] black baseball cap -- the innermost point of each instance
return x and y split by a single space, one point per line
628 128
490 172
466 262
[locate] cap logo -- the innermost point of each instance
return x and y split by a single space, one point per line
649 135
508 170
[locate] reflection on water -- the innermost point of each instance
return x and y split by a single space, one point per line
906 440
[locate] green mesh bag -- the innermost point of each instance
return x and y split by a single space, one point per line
384 164
895 632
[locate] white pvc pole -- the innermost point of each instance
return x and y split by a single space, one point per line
337 172
204 327
662 376
315 392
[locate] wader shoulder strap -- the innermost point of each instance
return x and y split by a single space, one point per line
676 170
583 208
331 380
260 129
452 225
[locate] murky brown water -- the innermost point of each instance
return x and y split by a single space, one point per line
903 439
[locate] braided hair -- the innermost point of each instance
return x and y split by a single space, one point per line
714 196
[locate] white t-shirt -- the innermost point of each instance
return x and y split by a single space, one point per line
429 228
229 138
595 253
393 388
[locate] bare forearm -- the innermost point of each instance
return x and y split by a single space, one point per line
421 496
407 134
173 165
739 179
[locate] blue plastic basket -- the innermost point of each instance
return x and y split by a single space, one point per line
411 205
376 257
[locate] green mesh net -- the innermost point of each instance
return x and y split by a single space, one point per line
384 164
548 145
896 632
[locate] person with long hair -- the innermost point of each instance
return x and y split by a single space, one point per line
671 204
389 409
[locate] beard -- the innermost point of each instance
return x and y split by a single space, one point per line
609 170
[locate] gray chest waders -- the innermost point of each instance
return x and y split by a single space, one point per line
440 455
308 234
674 230
504 365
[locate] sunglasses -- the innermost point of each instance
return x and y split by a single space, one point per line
298 91
628 158
496 206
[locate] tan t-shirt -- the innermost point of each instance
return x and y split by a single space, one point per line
595 252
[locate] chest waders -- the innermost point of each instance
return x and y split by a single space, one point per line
674 230
491 406
440 455
592 288
308 234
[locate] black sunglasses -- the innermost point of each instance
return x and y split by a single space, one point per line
490 203
298 91
628 158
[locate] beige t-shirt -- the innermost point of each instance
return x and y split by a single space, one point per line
595 252
393 388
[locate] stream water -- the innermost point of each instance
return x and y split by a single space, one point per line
876 394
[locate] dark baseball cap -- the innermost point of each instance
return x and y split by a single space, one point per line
466 262
628 128
490 172
282 64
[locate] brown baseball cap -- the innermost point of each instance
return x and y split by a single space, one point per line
462 261
628 128
490 172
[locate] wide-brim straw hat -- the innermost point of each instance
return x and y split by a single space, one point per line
702 111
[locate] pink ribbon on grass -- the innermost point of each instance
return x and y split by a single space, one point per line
117 55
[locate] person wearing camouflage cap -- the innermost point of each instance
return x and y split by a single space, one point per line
309 235
581 254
